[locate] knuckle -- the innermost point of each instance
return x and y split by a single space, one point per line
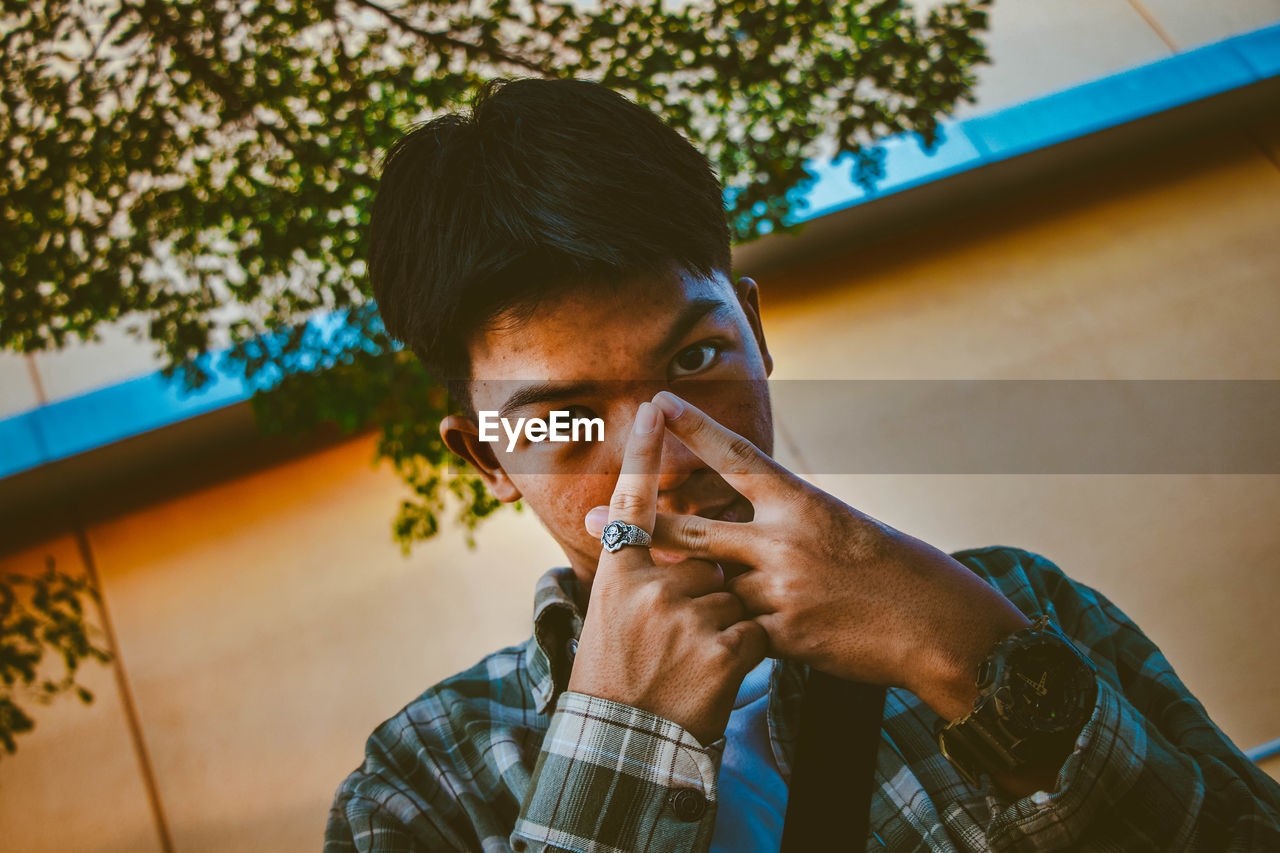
785 623
777 545
740 455
756 636
740 640
696 427
691 533
655 594
732 606
800 501
793 630
744 589
626 500
729 644
740 448
758 641
799 643
701 617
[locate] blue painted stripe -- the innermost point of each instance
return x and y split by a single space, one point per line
87 421
21 439
1120 98
77 424
906 164
1089 107
1263 751
1260 49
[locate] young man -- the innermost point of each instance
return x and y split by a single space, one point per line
560 249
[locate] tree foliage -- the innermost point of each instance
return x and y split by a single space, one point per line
41 617
202 170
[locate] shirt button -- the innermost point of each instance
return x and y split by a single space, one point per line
688 804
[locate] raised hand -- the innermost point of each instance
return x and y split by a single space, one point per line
834 587
670 640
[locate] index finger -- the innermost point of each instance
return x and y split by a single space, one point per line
741 463
635 497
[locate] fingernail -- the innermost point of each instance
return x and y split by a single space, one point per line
646 419
671 405
597 518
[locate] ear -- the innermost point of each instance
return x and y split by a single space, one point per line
462 436
749 298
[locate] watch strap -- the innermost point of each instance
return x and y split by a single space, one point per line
974 744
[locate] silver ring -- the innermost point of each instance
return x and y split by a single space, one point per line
619 533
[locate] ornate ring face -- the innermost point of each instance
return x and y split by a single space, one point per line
619 533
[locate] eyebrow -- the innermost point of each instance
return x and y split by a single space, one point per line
552 392
546 392
689 316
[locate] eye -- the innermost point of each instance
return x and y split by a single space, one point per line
695 359
576 412
582 413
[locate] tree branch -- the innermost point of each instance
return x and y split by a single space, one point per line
445 40
157 14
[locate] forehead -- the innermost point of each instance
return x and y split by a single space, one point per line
594 332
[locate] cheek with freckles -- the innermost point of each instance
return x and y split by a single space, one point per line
562 504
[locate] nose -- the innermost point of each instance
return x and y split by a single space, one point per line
678 464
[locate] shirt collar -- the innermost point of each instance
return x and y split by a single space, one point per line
556 622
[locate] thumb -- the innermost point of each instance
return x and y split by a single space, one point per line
596 519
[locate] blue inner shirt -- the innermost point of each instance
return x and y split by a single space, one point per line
752 793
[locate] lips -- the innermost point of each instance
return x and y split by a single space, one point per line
730 513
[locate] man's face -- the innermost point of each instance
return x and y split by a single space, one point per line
600 352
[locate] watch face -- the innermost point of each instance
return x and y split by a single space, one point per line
1047 688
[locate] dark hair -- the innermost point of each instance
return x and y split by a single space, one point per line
546 184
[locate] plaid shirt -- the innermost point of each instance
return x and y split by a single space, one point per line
502 758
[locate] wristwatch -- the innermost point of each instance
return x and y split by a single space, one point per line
1036 691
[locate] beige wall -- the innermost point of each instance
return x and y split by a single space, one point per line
268 623
74 782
